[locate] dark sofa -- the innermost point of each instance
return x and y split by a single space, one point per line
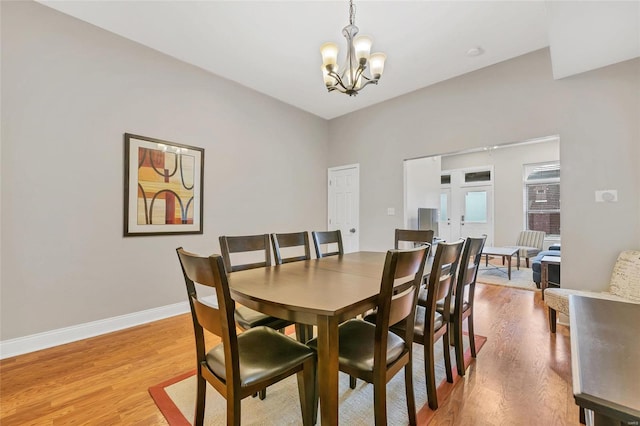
554 270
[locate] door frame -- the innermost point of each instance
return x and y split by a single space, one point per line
461 186
331 170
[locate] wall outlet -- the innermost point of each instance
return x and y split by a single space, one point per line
607 196
391 211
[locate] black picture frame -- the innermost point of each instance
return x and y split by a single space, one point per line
163 187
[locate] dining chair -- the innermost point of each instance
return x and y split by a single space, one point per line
431 325
321 238
246 363
247 318
416 236
461 307
245 244
369 351
289 240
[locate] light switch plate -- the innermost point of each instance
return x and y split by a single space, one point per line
391 211
607 196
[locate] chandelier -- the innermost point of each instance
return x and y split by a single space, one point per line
351 79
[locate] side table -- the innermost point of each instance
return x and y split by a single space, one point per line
544 271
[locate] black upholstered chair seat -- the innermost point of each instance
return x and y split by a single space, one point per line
418 328
248 318
263 353
422 296
440 306
356 344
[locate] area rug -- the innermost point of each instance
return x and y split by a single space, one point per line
176 397
496 274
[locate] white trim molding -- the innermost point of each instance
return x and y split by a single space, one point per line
48 339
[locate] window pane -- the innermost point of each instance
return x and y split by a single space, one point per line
548 222
475 206
444 214
445 179
483 176
543 171
543 197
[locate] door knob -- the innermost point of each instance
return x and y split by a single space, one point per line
352 230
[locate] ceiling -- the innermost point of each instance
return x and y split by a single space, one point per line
273 46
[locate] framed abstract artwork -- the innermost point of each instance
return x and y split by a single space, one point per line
162 187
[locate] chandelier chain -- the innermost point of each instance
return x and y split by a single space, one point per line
352 12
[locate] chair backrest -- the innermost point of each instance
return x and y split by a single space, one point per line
531 239
242 244
625 278
442 280
293 239
210 272
327 237
399 287
468 271
416 236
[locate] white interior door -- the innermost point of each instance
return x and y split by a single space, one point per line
344 204
466 204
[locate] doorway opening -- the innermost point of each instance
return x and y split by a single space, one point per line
466 204
482 190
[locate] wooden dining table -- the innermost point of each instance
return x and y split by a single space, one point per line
321 292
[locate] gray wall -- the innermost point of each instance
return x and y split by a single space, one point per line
69 92
596 115
422 188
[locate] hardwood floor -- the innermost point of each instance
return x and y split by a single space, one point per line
522 376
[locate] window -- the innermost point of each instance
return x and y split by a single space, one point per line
475 207
542 197
483 176
444 204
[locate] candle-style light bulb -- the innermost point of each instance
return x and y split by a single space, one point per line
376 64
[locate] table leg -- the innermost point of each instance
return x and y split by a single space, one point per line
518 254
509 267
328 370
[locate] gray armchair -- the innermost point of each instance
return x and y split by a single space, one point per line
530 244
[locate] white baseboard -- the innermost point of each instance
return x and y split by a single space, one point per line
35 342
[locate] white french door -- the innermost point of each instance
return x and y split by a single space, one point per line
444 220
466 204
